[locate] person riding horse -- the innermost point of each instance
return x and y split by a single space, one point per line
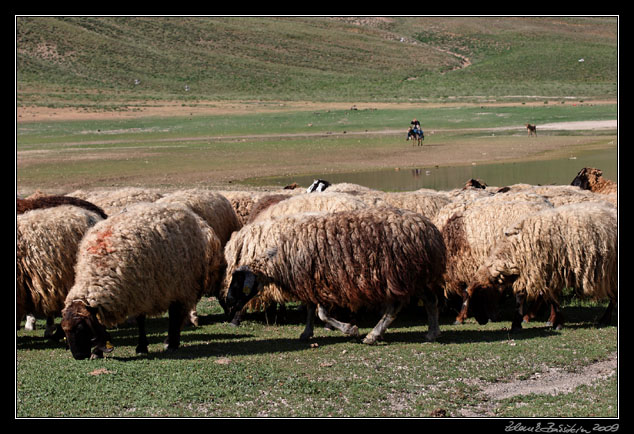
415 131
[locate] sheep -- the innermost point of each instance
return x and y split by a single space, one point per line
559 194
142 261
426 203
313 202
242 202
45 201
592 179
319 201
571 246
470 231
217 212
113 201
47 240
213 207
369 257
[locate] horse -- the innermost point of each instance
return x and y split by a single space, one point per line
531 129
416 134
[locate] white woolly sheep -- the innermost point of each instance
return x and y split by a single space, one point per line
217 212
146 260
113 201
572 246
313 202
370 257
470 231
47 240
213 207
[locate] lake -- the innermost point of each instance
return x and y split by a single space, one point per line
559 171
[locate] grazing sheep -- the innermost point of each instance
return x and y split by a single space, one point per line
217 212
426 203
263 203
113 201
572 246
145 260
592 179
212 207
559 194
369 257
242 202
28 204
47 240
470 231
314 202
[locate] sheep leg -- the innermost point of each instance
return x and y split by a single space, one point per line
464 310
430 300
177 314
344 327
520 299
389 315
532 311
606 319
556 319
310 322
142 345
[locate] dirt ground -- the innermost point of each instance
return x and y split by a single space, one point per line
446 155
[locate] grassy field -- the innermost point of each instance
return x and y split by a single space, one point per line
260 369
213 150
94 61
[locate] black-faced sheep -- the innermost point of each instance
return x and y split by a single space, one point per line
146 260
370 257
47 240
573 246
592 179
242 248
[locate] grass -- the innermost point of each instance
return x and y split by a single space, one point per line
261 369
188 150
96 60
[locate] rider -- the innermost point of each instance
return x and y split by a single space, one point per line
416 129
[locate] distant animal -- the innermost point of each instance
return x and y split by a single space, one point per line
416 134
531 129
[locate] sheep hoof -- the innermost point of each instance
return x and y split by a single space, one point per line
458 322
141 349
371 340
352 331
305 337
431 336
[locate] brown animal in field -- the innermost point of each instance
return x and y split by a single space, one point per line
531 129
592 179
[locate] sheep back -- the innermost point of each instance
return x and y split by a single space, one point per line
364 257
144 258
213 207
571 246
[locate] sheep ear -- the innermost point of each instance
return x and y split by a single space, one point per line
102 337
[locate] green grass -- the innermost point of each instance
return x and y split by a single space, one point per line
166 151
264 370
94 61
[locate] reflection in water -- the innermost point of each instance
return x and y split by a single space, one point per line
560 172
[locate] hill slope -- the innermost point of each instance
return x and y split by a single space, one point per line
72 60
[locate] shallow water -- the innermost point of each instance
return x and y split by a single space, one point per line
557 171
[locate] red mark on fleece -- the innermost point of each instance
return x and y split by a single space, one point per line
102 245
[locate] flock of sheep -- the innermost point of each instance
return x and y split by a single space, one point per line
98 258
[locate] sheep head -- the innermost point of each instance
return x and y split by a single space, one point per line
485 292
243 287
83 331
